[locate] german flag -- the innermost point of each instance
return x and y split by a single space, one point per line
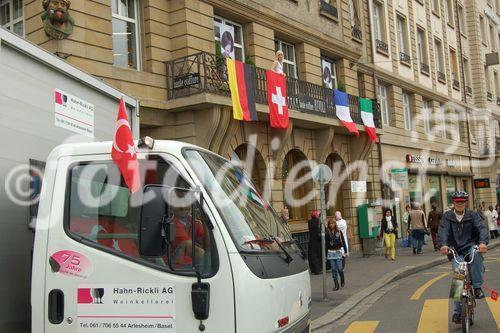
241 84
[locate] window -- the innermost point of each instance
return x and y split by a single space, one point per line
384 106
427 116
435 6
458 117
407 111
496 83
402 35
467 74
454 65
329 73
462 21
378 21
289 62
483 28
353 14
11 16
443 117
448 8
488 81
422 46
235 40
438 50
125 33
492 38
102 211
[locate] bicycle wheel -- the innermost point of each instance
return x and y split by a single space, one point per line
465 316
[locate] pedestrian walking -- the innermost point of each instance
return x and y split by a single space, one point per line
433 222
314 249
497 208
336 250
418 227
342 225
406 224
491 216
389 230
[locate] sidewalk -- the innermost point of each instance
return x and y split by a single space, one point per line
364 276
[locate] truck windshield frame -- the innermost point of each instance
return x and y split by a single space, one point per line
253 224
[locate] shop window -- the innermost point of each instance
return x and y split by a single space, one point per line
125 24
11 16
451 188
289 59
415 189
329 73
434 186
229 38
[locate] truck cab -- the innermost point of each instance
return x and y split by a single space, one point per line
195 249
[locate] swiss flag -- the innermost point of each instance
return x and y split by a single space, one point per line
123 151
276 98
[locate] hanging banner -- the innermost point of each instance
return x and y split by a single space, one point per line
327 73
227 41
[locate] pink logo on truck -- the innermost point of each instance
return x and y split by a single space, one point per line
70 264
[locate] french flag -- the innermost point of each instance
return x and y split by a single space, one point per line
342 110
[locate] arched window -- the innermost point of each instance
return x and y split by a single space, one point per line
297 211
257 170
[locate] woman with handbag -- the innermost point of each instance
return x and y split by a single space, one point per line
389 230
314 249
335 244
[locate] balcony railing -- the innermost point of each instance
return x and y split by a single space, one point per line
441 76
456 84
206 73
424 68
468 89
356 32
382 46
329 9
489 95
404 58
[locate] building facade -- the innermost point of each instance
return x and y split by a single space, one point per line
423 61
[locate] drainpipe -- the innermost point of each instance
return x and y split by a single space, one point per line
459 32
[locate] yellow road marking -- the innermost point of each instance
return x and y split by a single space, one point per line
362 327
495 310
423 288
434 317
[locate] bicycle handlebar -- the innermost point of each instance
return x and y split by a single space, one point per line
475 249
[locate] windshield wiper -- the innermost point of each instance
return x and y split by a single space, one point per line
268 240
288 259
294 241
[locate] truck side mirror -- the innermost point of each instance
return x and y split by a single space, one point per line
153 219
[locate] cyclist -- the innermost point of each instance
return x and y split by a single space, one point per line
461 229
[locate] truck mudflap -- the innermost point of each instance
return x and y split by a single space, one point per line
301 326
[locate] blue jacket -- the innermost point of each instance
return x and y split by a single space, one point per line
462 235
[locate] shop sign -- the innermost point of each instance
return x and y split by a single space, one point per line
435 161
399 179
482 183
310 104
186 81
414 158
451 163
358 186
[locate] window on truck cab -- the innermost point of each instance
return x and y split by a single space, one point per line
101 212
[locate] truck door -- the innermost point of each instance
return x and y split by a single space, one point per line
96 280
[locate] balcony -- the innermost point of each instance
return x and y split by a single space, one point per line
206 73
468 90
329 10
356 32
382 46
489 96
404 58
424 68
441 77
456 84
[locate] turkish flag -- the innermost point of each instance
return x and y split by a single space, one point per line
123 151
276 98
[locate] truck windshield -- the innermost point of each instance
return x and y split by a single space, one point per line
253 224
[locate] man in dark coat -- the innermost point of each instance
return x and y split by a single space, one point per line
463 229
314 249
433 222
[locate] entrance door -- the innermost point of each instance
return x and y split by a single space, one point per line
96 281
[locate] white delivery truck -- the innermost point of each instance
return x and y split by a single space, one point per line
195 250
44 102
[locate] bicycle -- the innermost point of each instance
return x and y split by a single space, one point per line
467 297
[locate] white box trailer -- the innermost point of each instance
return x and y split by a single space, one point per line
44 101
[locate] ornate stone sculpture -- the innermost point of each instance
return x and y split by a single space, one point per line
57 22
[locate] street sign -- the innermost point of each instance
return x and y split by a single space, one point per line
482 183
322 174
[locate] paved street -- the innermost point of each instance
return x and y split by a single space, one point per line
419 303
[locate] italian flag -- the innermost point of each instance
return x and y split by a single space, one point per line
366 106
342 111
